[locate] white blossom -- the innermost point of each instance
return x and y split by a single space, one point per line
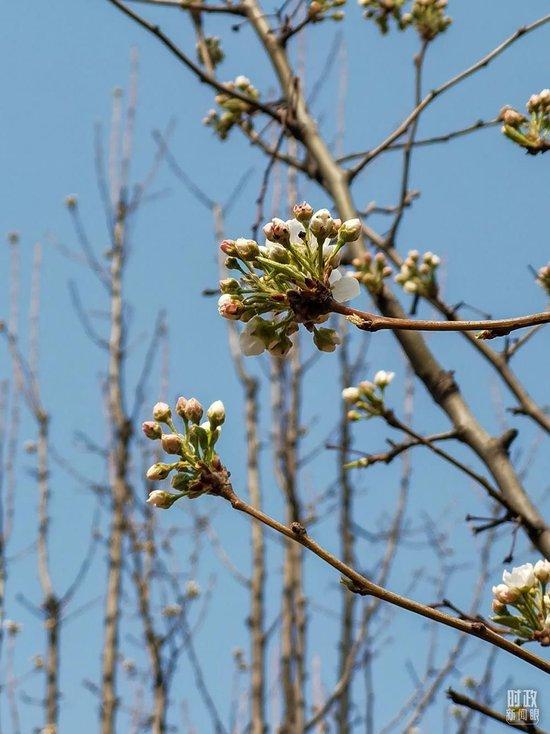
343 287
520 577
251 345
383 378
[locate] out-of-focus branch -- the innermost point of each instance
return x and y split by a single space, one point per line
459 699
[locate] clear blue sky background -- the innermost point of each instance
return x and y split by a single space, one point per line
483 208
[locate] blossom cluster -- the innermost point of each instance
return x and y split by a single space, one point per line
366 400
293 278
426 16
210 48
319 9
233 109
197 469
543 277
525 590
418 275
371 271
533 131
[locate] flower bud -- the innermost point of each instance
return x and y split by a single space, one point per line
158 471
246 249
277 231
351 394
171 443
506 594
278 254
193 411
533 103
304 211
497 606
216 414
243 82
180 406
228 247
230 285
315 8
367 388
321 224
162 412
229 307
542 570
232 263
511 117
162 499
383 378
151 429
350 230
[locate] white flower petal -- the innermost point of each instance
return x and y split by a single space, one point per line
295 227
345 288
251 346
334 277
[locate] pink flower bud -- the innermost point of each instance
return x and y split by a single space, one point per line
228 246
151 429
171 443
277 231
230 307
193 410
180 406
303 212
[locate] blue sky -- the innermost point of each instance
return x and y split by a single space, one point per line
483 208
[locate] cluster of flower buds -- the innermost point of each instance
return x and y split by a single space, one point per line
197 469
371 271
382 11
367 399
532 132
320 9
426 16
525 589
543 277
233 109
294 278
418 275
210 51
